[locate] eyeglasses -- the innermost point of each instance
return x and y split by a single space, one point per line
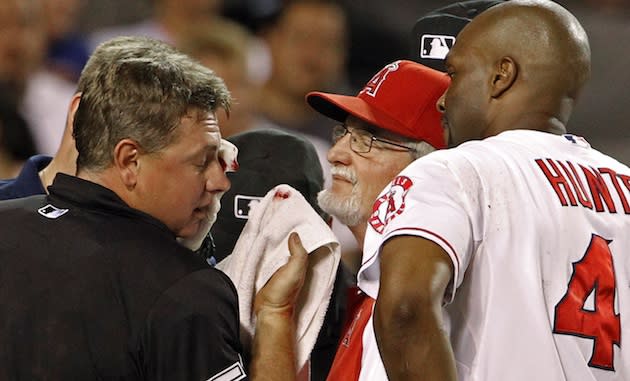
360 140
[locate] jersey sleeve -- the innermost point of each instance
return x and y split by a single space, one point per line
192 332
431 199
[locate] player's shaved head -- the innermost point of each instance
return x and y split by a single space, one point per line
547 42
532 57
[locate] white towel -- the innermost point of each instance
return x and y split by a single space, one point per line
263 247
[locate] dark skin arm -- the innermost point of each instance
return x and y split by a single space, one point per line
415 273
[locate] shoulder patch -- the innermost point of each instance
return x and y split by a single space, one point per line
391 204
51 211
233 372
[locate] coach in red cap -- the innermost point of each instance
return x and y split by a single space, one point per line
390 123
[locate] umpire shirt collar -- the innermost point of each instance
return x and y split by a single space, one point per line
67 191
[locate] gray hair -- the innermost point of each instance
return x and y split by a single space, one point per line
139 88
419 149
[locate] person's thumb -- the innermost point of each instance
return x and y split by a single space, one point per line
296 266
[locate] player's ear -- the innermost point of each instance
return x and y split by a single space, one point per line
504 76
127 154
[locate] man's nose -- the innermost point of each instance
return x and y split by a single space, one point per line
440 105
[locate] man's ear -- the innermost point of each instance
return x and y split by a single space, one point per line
127 155
504 76
73 106
72 110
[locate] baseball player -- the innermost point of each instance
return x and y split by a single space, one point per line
506 258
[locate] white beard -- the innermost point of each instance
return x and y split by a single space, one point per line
347 209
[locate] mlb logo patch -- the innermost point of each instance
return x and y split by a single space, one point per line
578 140
435 46
51 211
244 205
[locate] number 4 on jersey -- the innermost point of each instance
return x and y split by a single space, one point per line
594 273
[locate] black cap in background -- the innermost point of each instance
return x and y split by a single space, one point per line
266 158
435 33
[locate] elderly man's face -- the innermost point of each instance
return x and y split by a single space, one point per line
358 178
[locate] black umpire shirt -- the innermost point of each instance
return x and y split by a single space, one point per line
91 289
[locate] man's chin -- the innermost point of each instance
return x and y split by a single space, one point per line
337 194
345 208
192 236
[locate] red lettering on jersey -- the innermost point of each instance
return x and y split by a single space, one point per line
599 195
578 186
599 190
613 177
557 180
594 273
375 83
403 181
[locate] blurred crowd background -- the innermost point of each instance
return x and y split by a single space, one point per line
270 53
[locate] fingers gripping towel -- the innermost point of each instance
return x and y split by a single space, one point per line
262 248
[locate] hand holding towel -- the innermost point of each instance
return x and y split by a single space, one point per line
262 248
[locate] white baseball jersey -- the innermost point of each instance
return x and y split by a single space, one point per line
538 229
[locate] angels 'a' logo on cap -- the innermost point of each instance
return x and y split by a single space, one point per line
371 88
391 204
435 46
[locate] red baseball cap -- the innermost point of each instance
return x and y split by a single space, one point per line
400 98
